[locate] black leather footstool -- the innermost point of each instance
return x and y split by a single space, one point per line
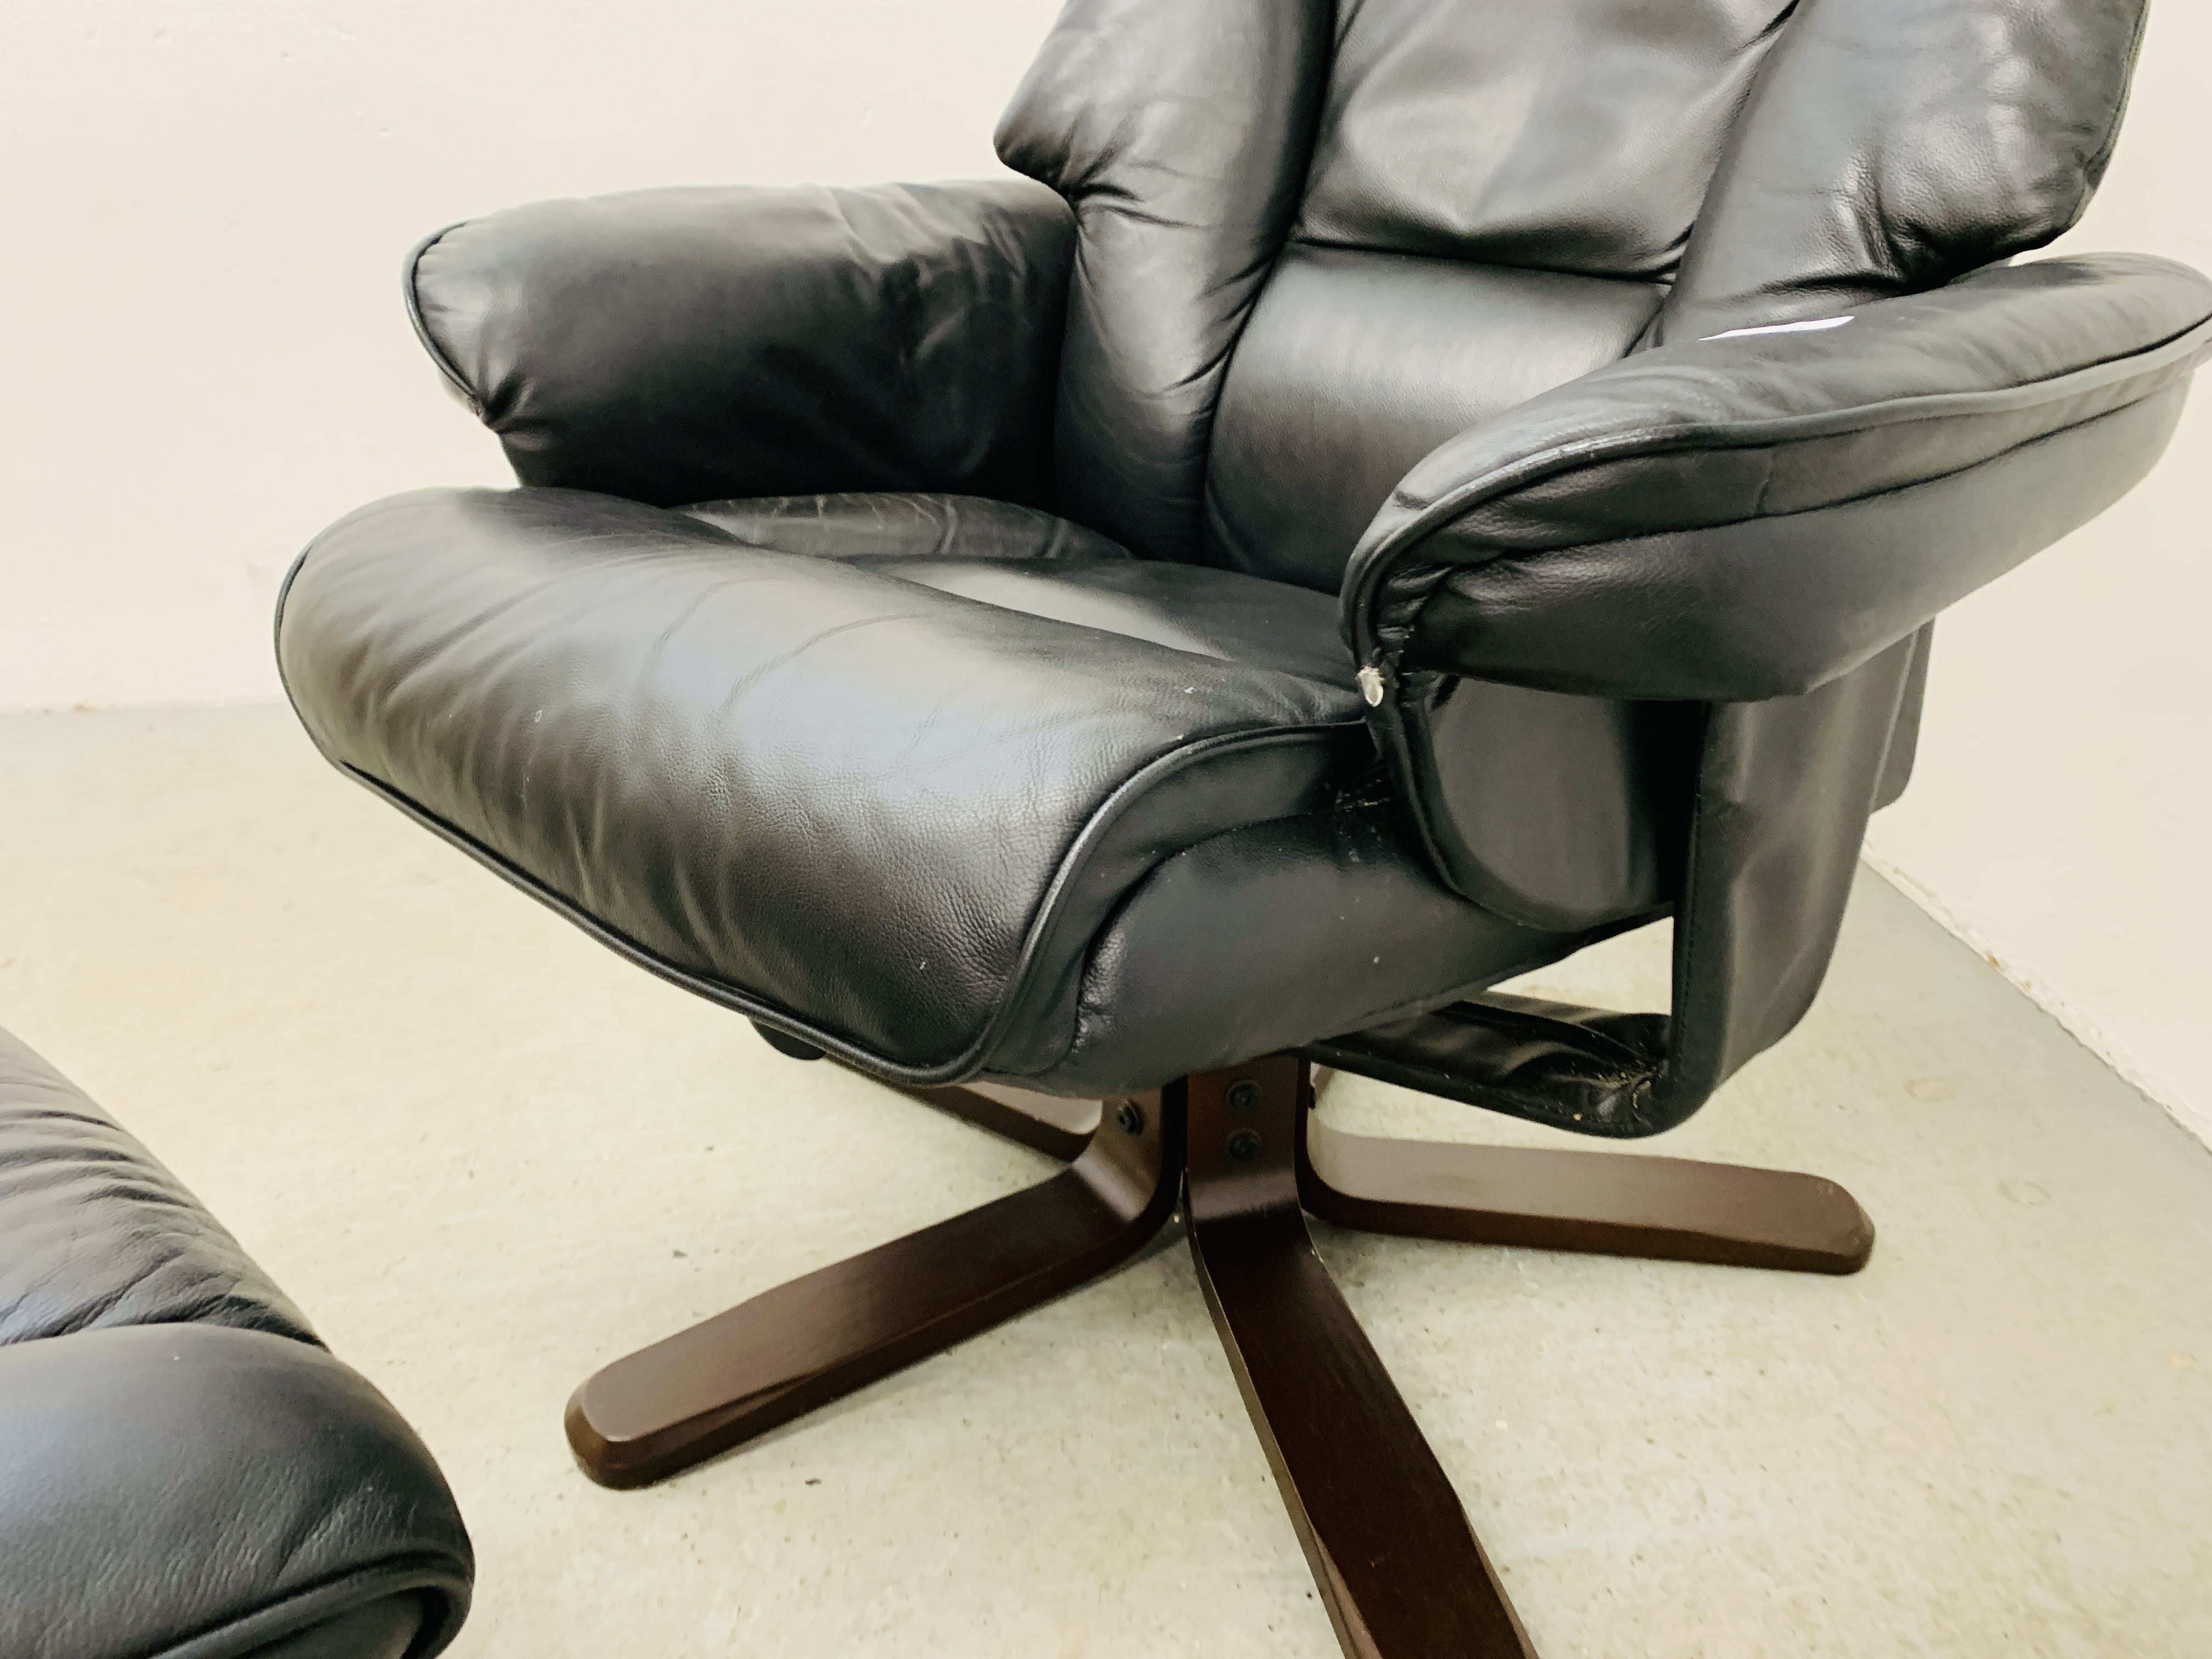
185 1472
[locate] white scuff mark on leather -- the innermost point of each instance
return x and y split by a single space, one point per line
1371 685
1811 325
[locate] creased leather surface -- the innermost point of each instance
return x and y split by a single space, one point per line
678 345
184 1473
1042 566
903 524
1773 606
1356 365
1180 134
1889 146
379 1630
1760 430
1570 136
1210 613
877 813
96 1233
1271 936
1587 1071
1784 788
193 1491
1904 742
1553 810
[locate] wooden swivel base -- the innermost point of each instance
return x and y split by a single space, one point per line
1396 1562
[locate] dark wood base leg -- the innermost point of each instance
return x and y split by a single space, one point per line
1393 1554
1395 1560
1666 1208
805 1344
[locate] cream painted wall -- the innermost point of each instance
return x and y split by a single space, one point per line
205 361
2060 818
205 358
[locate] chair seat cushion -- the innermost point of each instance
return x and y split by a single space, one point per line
878 769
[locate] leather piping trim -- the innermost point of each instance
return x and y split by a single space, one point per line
970 1062
2177 351
408 291
444 1609
1044 923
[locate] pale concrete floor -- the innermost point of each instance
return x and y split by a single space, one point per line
487 1156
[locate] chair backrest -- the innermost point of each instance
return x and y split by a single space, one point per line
1318 238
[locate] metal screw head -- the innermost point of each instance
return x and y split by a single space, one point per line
1243 1147
1130 1118
1244 1098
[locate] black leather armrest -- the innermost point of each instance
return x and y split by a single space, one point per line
199 1492
685 345
1755 528
1751 515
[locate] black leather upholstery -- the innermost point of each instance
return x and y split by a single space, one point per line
1888 146
1614 537
1356 365
1030 561
98 1235
1180 137
184 1471
732 758
622 344
1051 773
952 687
908 525
1257 940
1748 518
1578 137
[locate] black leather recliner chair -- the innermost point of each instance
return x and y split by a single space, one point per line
1403 490
185 1472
